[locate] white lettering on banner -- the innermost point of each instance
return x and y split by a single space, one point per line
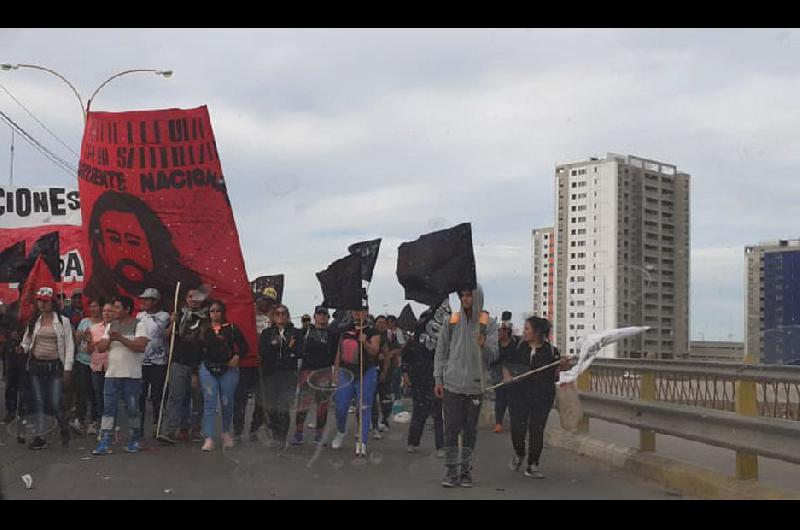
27 207
71 266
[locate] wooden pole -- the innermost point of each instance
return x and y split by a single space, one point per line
360 386
169 360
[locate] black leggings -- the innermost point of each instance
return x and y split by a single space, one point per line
425 405
528 416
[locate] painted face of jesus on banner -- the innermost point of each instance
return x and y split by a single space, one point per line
157 211
132 249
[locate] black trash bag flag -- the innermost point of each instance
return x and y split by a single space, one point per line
48 248
263 284
12 262
368 250
341 284
407 321
437 264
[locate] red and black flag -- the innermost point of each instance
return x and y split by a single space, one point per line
12 261
437 264
48 248
341 284
368 250
38 277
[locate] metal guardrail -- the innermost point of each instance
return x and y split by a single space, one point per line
722 370
779 439
707 384
752 409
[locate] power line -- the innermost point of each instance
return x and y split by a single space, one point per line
11 169
37 120
38 145
64 165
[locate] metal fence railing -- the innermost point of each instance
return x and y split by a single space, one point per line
752 409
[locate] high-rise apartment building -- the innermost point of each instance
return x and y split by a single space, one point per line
622 254
772 301
544 249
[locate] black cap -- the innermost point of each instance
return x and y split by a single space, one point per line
321 309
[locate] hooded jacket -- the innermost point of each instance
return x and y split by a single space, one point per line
460 364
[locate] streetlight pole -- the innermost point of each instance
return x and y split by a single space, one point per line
7 66
85 109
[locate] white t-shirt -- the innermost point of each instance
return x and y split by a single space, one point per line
156 325
122 361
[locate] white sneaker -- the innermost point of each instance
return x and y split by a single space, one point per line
383 427
338 440
441 453
361 450
533 471
413 449
376 434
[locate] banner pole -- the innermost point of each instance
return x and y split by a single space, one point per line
360 386
169 360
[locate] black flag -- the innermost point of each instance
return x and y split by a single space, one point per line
437 264
46 246
368 250
407 321
341 284
12 263
266 282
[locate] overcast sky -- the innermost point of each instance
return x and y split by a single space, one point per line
328 137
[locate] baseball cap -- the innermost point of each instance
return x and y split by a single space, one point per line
269 293
44 293
320 309
151 292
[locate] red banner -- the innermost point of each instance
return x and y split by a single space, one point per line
70 240
156 211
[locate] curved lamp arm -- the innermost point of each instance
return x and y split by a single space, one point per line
7 66
164 73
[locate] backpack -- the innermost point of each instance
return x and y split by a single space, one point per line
349 347
455 318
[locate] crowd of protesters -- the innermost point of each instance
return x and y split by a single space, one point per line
77 364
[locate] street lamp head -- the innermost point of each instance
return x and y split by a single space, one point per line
164 73
9 66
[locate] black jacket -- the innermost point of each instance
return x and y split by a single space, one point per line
417 359
317 348
538 386
188 349
279 352
220 347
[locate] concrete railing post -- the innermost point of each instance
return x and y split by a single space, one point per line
647 439
747 405
584 385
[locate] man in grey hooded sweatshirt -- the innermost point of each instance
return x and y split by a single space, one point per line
467 345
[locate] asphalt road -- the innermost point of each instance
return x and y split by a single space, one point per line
253 470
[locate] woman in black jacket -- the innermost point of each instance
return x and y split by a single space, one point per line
223 346
531 398
279 364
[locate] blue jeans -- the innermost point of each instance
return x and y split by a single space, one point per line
344 396
130 390
181 398
48 393
216 389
